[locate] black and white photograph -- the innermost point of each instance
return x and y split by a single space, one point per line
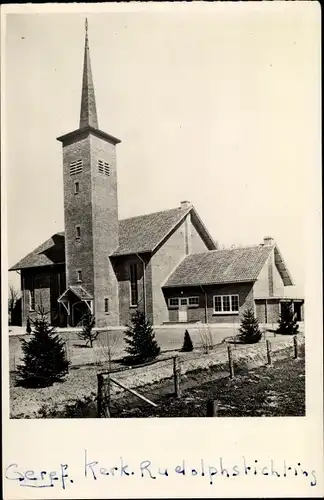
155 215
161 250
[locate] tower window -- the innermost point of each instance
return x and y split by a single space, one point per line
76 167
106 305
79 275
77 232
133 285
76 188
103 167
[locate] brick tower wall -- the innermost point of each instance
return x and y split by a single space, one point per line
94 209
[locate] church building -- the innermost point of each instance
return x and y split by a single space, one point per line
165 263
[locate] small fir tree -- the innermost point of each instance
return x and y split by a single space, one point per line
44 358
250 332
287 320
87 333
140 340
187 343
28 326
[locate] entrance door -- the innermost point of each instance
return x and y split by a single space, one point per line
183 310
78 310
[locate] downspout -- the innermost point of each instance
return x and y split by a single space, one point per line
206 311
144 284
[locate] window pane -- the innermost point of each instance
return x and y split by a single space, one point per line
218 303
184 302
235 304
193 301
174 301
226 303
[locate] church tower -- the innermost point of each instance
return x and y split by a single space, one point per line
90 211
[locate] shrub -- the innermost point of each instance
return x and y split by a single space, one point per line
249 331
88 322
140 340
44 359
187 343
287 321
28 326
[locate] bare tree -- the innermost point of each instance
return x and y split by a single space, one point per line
109 345
13 296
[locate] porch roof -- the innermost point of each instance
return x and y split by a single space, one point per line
78 290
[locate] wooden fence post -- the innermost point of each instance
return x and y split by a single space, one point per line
269 352
176 375
99 395
230 361
107 397
212 408
295 347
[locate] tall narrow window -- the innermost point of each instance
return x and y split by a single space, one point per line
32 296
79 275
133 285
76 188
77 232
106 305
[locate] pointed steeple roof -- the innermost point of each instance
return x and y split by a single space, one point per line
88 113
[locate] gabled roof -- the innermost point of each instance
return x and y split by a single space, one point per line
78 290
51 252
221 266
136 235
146 232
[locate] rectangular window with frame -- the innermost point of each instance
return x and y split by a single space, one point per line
76 187
77 232
226 304
79 275
106 305
173 302
133 285
193 301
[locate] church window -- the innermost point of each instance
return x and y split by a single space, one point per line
103 167
79 275
106 305
77 232
133 285
76 167
76 188
32 296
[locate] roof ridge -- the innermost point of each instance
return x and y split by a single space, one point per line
232 249
154 213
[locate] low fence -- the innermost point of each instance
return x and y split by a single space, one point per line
109 388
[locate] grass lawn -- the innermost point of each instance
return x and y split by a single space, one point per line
169 339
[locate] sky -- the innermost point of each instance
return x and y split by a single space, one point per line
218 108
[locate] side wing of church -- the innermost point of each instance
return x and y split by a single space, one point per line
165 263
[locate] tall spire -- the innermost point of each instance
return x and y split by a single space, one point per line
88 114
